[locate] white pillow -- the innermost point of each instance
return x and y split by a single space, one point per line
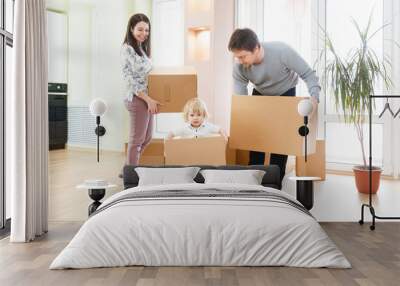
163 176
248 177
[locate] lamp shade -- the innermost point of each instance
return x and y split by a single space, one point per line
97 107
305 107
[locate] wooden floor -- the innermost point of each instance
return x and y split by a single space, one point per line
375 257
336 198
69 168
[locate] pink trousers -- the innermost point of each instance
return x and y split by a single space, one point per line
140 129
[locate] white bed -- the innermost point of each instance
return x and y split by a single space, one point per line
184 230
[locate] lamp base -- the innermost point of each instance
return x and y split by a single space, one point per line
100 130
303 130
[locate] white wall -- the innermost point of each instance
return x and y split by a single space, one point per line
223 62
214 73
96 29
167 50
142 6
109 21
59 5
79 53
58 46
167 33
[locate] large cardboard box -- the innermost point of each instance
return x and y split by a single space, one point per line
231 156
195 151
153 154
243 157
270 124
173 87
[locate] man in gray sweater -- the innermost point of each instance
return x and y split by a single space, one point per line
273 68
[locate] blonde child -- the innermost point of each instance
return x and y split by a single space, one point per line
195 115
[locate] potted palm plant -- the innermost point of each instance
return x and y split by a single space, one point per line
351 80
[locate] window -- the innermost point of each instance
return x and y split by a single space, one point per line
343 154
9 18
294 19
339 16
249 14
6 43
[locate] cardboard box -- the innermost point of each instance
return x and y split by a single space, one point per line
315 165
155 148
173 87
270 124
243 157
195 151
153 154
231 156
152 160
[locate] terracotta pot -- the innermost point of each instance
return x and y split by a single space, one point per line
361 175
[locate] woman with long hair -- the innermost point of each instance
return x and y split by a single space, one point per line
136 65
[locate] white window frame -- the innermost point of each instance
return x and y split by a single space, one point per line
6 40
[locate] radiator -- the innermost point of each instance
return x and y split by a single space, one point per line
81 126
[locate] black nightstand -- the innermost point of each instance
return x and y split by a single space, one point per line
305 190
96 193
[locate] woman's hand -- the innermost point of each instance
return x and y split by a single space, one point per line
152 105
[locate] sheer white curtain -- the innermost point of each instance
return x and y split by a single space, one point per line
28 156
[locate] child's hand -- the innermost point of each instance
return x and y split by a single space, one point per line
170 136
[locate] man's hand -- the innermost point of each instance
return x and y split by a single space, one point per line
222 133
314 102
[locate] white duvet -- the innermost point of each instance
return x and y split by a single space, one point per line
200 231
